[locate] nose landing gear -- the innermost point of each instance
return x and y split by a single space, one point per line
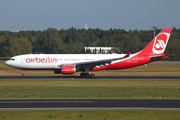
23 73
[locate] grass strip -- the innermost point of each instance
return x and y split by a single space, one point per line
91 114
13 89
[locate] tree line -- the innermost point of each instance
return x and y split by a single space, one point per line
73 41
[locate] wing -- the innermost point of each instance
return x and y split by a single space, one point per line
91 64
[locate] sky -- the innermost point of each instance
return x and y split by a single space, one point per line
102 14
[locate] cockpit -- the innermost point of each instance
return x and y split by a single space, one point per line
12 59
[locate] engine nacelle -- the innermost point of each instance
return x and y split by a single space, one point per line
66 69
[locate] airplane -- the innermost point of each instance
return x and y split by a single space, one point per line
85 63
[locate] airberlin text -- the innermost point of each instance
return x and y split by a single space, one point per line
41 60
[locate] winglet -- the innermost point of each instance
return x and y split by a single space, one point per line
127 55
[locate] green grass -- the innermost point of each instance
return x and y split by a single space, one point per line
95 89
89 89
91 114
19 89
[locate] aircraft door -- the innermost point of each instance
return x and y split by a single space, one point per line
22 60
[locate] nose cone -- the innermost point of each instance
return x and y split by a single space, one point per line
7 63
11 63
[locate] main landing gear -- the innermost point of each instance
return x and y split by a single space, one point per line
87 75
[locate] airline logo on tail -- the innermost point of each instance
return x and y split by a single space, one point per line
160 43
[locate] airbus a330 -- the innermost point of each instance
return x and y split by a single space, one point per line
86 63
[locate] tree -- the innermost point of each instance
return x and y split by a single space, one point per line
2 47
18 45
51 42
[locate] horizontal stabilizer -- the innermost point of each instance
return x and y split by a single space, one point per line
155 58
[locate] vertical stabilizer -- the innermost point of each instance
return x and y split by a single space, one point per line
159 43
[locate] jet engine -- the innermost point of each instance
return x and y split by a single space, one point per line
65 69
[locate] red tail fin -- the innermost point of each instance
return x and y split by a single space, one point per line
159 43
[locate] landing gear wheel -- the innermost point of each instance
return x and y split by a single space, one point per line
82 75
87 75
23 74
92 75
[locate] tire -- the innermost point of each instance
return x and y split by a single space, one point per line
86 75
82 75
92 75
23 74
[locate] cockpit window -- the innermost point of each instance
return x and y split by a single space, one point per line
12 59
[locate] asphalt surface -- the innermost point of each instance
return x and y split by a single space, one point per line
90 103
96 78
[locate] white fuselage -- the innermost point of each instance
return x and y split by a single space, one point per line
54 61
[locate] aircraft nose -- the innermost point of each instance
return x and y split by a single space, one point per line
7 63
